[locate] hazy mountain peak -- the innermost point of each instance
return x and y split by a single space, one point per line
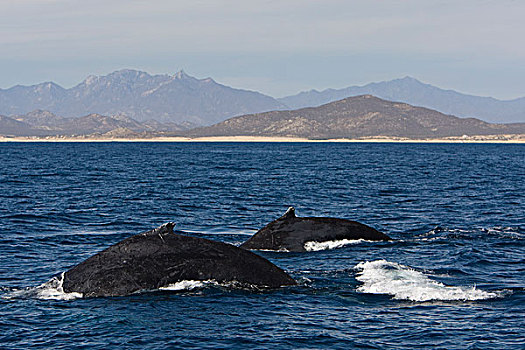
129 73
410 90
40 119
408 78
122 75
40 113
406 81
90 79
179 98
48 85
94 116
181 75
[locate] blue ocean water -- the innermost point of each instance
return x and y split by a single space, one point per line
453 278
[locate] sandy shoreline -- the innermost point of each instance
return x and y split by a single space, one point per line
469 139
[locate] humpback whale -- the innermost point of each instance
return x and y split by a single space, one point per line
160 257
290 232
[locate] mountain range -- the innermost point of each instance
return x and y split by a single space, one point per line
174 98
356 117
184 100
414 92
353 117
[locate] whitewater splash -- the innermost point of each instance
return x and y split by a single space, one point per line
280 250
51 290
405 283
186 285
313 246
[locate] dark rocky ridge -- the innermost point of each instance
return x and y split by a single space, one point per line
45 123
12 127
355 117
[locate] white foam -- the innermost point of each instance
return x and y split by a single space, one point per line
313 246
280 250
405 283
186 285
51 290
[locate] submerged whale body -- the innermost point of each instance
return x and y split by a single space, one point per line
290 232
159 258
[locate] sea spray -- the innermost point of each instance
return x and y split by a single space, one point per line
405 283
50 290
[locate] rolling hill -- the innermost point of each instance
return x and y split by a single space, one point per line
356 117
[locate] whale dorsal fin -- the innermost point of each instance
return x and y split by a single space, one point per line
162 230
290 213
167 227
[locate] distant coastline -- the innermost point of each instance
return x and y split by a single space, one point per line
364 118
519 138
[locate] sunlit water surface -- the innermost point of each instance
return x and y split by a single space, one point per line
453 278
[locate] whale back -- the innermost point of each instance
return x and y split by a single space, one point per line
290 232
160 257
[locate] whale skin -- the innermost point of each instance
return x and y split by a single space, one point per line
290 233
160 257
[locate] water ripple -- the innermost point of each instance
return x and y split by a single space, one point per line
455 211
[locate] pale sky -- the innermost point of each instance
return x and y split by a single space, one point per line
275 47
